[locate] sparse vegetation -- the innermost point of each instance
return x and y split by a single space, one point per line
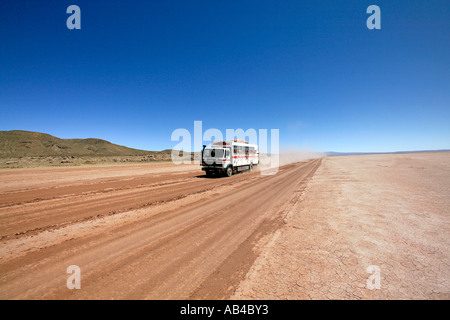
19 149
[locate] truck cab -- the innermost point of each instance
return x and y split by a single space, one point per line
216 160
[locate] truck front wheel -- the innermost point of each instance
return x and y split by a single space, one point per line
229 171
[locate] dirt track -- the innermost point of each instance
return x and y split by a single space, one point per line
137 232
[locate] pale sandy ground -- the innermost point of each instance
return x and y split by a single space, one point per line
390 211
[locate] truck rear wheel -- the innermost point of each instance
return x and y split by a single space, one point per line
229 171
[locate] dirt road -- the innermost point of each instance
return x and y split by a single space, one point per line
137 232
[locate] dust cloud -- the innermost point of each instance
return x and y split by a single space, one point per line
291 155
269 163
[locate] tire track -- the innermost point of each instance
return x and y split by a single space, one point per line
197 251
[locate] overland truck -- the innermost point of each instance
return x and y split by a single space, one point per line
228 157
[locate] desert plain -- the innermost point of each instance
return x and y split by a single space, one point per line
317 229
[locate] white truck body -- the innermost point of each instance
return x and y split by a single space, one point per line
229 157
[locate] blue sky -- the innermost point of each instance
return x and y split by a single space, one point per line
137 70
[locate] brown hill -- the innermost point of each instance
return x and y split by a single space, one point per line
17 143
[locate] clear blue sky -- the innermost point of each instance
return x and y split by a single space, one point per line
137 70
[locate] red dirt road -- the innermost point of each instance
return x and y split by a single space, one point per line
137 232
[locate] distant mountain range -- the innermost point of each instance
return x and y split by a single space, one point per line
332 153
19 143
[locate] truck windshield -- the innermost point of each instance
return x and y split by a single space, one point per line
214 153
